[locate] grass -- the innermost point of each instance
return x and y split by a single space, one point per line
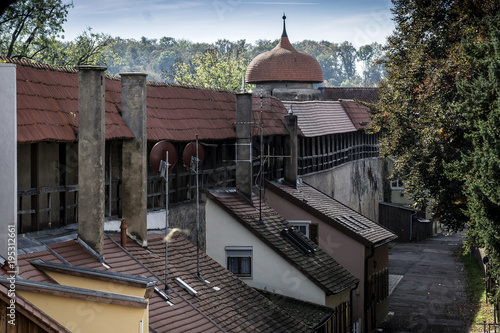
481 310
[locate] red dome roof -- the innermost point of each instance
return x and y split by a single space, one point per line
284 63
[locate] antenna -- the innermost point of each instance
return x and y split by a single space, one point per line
193 155
164 149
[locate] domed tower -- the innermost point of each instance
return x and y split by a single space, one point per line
285 73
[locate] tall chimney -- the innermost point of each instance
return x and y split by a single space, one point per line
8 162
291 148
134 156
91 156
244 145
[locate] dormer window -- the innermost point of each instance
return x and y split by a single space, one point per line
239 260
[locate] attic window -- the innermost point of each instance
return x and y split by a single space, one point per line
302 226
353 223
239 260
296 239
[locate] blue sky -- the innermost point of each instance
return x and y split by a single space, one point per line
358 21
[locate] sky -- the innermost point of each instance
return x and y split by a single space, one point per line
357 21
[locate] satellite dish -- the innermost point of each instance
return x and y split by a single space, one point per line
158 154
190 153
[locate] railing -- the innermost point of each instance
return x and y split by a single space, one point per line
489 327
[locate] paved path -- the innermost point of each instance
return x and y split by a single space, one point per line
430 297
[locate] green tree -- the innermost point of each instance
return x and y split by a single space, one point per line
210 69
28 27
371 56
479 91
421 129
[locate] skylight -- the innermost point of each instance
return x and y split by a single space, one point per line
297 240
353 223
186 286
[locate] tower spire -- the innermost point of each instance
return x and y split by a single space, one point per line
284 29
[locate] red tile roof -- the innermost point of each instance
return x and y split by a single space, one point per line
333 212
317 118
236 307
364 94
359 114
47 102
284 64
320 268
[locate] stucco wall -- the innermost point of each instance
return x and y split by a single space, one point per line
269 270
357 184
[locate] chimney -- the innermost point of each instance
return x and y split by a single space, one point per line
8 163
91 157
291 148
244 145
134 156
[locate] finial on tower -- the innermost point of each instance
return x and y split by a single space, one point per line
284 29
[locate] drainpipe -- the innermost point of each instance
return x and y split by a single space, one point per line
350 300
366 287
123 234
411 225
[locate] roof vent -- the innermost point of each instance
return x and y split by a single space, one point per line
163 295
297 240
186 286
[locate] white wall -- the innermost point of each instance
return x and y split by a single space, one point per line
8 155
269 270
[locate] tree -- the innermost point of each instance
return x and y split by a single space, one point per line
479 93
210 69
28 27
87 49
371 56
421 129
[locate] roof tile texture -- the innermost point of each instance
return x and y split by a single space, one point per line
317 118
284 63
320 268
364 94
329 210
359 114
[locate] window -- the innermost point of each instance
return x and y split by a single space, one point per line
302 226
397 184
239 260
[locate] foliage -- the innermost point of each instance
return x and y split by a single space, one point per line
212 69
422 131
371 56
480 95
29 27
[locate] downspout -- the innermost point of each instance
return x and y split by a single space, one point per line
350 303
411 225
366 287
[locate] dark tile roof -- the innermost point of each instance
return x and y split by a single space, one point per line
284 64
359 114
312 315
364 94
234 306
320 268
31 312
333 212
47 108
317 118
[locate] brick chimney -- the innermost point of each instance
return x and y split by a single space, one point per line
134 156
8 161
244 145
91 156
291 147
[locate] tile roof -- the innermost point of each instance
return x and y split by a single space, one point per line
317 118
47 104
233 305
47 108
359 114
31 312
180 317
365 94
284 64
334 213
319 267
313 315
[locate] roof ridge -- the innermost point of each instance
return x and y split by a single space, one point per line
37 65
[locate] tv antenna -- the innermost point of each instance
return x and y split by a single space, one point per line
162 159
